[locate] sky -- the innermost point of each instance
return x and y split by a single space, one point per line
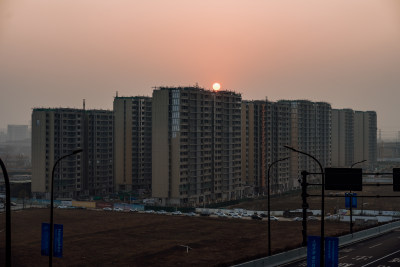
57 53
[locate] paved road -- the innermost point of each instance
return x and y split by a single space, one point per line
382 251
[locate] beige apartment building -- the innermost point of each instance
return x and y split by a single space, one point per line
265 130
59 131
342 137
311 125
196 146
277 134
133 144
365 138
354 138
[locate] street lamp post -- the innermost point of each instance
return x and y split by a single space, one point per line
322 253
351 198
8 214
269 202
52 205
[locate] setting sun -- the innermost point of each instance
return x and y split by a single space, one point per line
216 86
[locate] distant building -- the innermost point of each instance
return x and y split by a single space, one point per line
265 130
3 136
277 133
365 137
253 161
132 144
17 132
342 137
196 146
58 132
311 133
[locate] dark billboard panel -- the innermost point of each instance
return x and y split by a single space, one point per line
344 179
396 179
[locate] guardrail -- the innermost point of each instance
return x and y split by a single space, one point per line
300 253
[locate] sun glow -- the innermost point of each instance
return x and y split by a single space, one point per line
216 86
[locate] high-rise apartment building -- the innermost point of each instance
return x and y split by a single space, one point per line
311 133
265 130
253 162
342 137
196 145
277 134
365 137
132 144
59 131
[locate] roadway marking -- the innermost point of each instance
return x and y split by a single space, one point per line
347 250
381 258
343 257
362 258
376 245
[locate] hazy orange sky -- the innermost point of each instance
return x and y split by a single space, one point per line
56 53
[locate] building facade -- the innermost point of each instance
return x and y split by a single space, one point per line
196 146
133 144
277 134
311 126
365 137
60 131
342 137
253 159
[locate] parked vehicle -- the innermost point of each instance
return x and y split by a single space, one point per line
312 218
256 217
297 219
176 212
273 218
161 212
118 209
107 209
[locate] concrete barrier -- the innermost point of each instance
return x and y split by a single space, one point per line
300 253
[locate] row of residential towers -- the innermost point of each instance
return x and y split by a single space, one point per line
189 146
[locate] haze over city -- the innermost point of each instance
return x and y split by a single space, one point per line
54 54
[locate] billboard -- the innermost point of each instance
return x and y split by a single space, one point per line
346 179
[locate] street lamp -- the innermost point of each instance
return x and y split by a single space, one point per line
8 214
322 202
52 204
352 165
269 203
351 198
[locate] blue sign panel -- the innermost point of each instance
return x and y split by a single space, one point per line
45 239
313 251
58 240
331 251
353 200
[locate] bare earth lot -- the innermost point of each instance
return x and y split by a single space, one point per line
99 238
294 201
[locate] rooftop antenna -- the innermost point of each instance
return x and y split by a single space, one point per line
116 94
84 104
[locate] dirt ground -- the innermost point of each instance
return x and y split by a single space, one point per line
100 238
293 201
